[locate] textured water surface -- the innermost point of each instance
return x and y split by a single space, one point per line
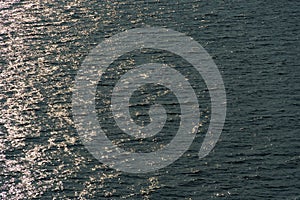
256 46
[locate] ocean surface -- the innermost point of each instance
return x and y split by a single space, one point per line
255 45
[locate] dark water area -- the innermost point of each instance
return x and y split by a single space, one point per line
255 45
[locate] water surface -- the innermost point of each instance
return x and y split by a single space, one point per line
255 44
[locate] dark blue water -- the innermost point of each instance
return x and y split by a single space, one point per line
256 47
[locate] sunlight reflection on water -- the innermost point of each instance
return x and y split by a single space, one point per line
255 44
